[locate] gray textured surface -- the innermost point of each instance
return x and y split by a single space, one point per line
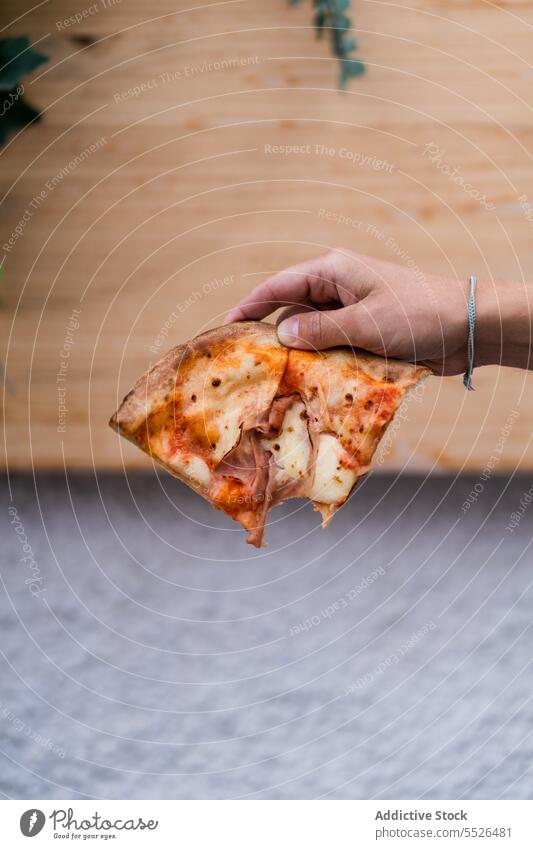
159 663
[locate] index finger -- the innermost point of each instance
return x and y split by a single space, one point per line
295 285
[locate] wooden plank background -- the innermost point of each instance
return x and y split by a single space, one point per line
152 209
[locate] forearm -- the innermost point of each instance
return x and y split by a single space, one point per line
504 325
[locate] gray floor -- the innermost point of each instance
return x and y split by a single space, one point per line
164 658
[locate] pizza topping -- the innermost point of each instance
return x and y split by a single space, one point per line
332 479
292 445
217 416
249 423
193 467
241 482
278 410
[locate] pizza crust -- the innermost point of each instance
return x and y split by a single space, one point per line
153 387
248 423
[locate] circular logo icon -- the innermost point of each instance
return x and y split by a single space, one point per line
32 822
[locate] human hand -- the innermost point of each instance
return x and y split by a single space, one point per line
344 298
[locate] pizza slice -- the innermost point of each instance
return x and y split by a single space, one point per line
248 423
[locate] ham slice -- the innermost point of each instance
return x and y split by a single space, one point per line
246 468
271 462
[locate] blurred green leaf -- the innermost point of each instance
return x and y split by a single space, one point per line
320 22
16 116
17 59
350 68
329 16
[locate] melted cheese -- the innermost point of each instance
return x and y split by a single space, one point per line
194 468
189 465
222 393
291 449
332 482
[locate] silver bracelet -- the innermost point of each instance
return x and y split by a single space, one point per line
467 379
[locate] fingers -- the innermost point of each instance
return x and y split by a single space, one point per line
296 309
299 308
308 281
318 329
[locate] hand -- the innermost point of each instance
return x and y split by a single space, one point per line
343 298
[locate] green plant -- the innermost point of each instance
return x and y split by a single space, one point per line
17 58
329 16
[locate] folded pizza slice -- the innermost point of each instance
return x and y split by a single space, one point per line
248 423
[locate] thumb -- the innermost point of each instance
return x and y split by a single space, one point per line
316 329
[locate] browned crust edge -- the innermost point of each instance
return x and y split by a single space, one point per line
161 378
400 372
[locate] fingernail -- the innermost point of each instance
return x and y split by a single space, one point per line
288 331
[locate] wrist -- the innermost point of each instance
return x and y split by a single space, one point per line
504 328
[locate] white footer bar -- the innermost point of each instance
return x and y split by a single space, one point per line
268 824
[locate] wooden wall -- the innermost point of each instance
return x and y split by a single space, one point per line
152 211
